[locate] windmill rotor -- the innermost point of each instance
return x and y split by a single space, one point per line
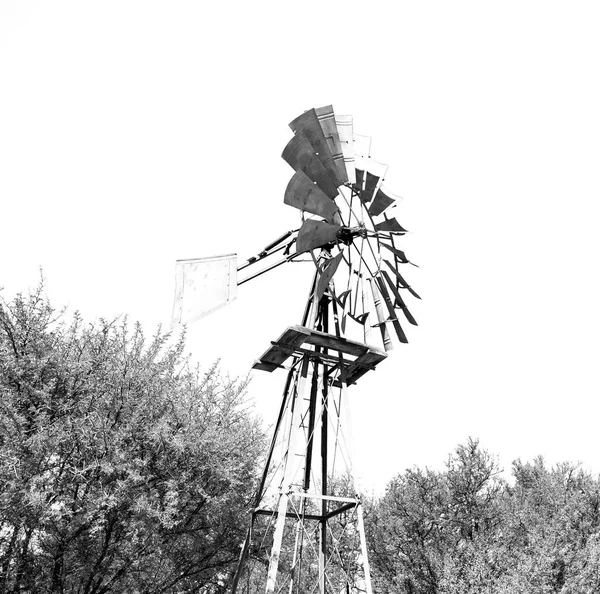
345 210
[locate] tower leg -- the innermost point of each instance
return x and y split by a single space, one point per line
277 536
363 547
324 510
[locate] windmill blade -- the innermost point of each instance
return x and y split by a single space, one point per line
390 306
391 225
342 297
332 135
398 253
364 298
361 319
375 173
399 300
303 194
308 124
203 285
329 269
400 278
300 155
370 185
340 300
385 335
345 128
315 234
359 174
381 202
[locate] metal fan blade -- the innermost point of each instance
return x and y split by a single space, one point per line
390 225
331 132
396 252
326 275
303 194
314 234
308 124
358 186
370 185
300 155
361 319
380 203
399 300
386 297
400 278
385 335
375 174
344 125
342 298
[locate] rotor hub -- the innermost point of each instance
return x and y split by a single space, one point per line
347 234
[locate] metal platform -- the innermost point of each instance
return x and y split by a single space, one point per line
352 359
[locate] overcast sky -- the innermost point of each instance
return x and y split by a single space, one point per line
134 133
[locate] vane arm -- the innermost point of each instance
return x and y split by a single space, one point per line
275 265
272 248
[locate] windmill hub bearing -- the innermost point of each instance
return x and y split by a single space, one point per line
347 234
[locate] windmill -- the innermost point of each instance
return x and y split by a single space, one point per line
306 530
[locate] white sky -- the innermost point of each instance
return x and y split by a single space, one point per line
135 133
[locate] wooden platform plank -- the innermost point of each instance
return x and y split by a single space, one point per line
273 357
262 365
334 343
295 339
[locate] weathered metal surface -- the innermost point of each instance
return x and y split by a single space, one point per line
380 203
365 550
301 156
390 225
399 301
273 358
385 335
328 125
370 186
295 337
264 270
304 194
308 124
276 548
365 362
400 278
329 269
314 234
398 253
290 515
375 173
390 306
203 285
360 177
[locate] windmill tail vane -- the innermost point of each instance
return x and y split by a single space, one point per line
306 530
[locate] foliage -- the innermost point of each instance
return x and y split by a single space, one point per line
121 469
465 530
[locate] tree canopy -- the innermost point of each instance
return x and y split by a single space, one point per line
122 469
466 530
